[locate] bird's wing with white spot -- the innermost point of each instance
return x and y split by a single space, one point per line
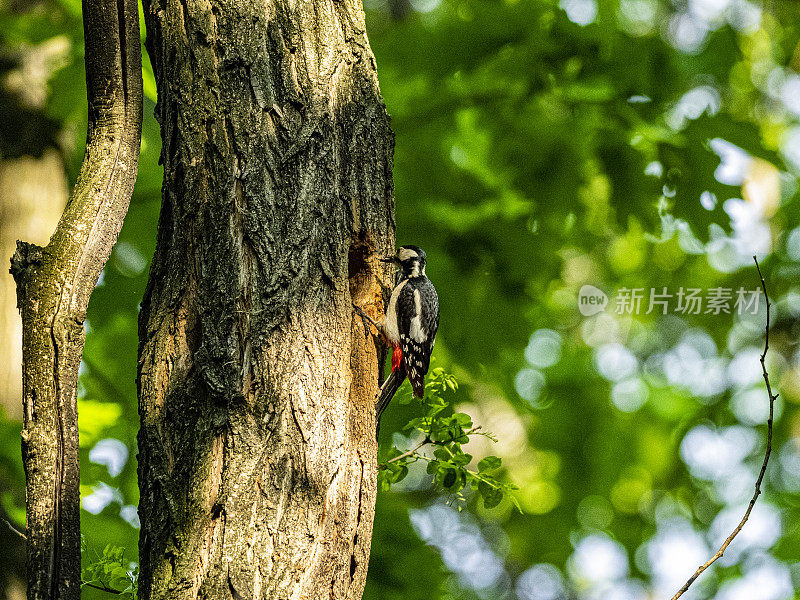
429 320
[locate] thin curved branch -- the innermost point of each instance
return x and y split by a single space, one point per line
102 588
412 452
14 529
757 493
54 284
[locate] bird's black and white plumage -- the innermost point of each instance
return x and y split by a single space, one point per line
412 318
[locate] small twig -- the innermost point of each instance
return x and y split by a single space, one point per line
15 530
102 588
411 452
772 398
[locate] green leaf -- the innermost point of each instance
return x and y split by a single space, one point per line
489 463
442 453
118 577
401 474
463 419
462 459
449 479
492 496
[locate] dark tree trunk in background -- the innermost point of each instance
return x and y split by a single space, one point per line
257 453
54 284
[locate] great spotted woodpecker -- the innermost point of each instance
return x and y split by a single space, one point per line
410 324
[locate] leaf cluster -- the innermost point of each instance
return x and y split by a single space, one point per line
110 572
447 432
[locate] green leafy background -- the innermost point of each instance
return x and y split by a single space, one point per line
541 147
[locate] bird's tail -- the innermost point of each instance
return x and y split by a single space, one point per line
388 390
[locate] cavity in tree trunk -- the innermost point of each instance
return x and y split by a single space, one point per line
54 284
257 451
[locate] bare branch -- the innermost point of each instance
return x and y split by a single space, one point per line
14 529
102 588
757 493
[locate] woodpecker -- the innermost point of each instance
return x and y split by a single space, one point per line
410 324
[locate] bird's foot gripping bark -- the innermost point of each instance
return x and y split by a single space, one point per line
386 292
365 316
381 330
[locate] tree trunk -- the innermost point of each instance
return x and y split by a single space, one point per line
54 284
257 451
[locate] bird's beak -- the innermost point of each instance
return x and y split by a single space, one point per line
388 259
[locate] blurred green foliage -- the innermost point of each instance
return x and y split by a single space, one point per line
541 147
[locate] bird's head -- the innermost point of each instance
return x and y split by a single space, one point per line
410 259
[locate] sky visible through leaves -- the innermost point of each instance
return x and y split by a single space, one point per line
590 180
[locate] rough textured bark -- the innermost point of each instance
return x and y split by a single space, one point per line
54 284
257 444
